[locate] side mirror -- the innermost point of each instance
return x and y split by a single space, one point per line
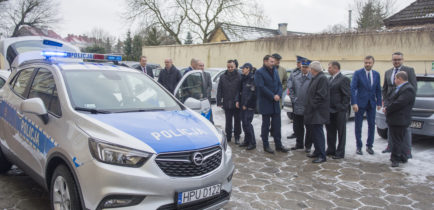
35 106
193 104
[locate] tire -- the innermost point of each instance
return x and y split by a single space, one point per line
5 165
63 188
382 132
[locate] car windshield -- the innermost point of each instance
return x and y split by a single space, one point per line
103 91
425 88
213 72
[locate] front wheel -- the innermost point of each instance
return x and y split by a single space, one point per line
63 191
5 165
382 132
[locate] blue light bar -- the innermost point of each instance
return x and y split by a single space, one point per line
91 56
52 43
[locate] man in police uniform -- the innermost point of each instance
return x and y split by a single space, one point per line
294 72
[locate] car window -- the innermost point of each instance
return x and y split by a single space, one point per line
21 81
217 78
2 82
44 87
192 86
116 91
425 89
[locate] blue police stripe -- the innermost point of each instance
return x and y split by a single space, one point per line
164 131
29 131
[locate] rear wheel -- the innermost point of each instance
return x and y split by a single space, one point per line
382 132
5 165
63 191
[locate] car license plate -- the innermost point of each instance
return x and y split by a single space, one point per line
198 194
416 124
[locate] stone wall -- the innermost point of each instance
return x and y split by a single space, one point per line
349 49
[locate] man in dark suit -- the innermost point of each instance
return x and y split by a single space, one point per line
365 95
316 112
207 85
143 68
169 76
389 85
227 92
398 116
269 90
340 94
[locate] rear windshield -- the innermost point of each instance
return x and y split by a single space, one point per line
425 87
37 45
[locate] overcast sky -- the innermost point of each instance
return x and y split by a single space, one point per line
81 16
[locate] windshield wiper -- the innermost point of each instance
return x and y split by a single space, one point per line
92 111
141 110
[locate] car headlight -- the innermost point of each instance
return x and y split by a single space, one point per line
117 155
224 140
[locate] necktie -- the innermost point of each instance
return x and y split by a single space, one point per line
369 78
393 75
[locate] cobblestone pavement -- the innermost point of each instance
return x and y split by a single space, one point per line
291 181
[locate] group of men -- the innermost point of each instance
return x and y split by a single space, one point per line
316 101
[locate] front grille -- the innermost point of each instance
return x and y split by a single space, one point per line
421 113
198 204
181 164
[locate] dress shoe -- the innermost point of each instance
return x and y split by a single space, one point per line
330 153
269 150
237 141
244 144
291 136
296 148
307 150
312 155
359 152
387 150
250 147
282 149
395 164
337 157
370 150
319 160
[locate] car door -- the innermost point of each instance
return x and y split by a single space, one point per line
190 90
30 138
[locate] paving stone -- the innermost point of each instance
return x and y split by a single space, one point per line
276 188
329 173
270 196
298 196
345 193
427 204
348 203
259 182
371 177
320 204
373 201
397 207
372 192
399 200
291 204
373 184
250 189
264 205
370 208
396 190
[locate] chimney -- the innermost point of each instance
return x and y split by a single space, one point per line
283 29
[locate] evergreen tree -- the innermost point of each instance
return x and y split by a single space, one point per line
128 46
108 45
136 47
189 39
372 15
152 37
95 48
118 46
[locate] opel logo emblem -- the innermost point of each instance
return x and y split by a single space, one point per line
198 158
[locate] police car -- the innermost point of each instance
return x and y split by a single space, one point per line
100 136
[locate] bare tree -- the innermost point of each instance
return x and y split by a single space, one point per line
336 29
198 16
33 13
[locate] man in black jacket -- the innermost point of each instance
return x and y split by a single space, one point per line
398 116
340 94
246 101
316 112
169 76
389 85
227 91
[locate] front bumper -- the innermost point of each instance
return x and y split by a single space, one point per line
99 180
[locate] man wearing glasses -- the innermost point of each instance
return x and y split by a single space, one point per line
388 87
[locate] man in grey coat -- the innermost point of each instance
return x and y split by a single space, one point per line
388 88
297 93
316 112
207 85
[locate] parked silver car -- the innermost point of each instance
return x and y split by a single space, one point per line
215 77
287 104
423 110
3 77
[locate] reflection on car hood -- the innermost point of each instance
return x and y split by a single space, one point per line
164 131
